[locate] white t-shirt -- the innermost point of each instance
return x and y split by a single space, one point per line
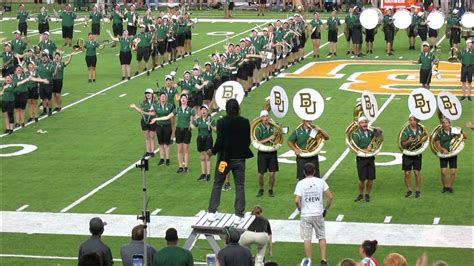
311 190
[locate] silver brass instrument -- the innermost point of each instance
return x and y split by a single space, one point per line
453 55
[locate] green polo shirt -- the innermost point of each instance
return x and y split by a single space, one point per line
188 27
162 110
59 70
30 59
116 18
147 20
300 136
181 27
8 59
145 39
409 132
31 84
95 17
333 23
8 95
48 45
129 17
387 21
209 77
263 132
125 44
45 71
147 106
18 46
16 79
257 43
43 18
316 24
202 125
175 26
170 93
91 48
426 60
183 116
161 31
414 20
67 18
467 57
187 85
444 138
350 20
362 138
22 16
279 33
215 68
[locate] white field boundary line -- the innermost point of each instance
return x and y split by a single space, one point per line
121 82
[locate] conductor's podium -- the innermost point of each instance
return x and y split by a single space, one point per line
216 228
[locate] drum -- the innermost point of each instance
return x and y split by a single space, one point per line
467 20
370 18
402 19
435 20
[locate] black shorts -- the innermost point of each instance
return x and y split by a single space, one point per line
163 133
369 35
296 46
23 28
349 35
183 135
95 28
357 36
161 47
57 85
20 100
33 93
332 36
411 162
68 32
432 33
143 53
267 161
258 63
302 40
147 126
208 93
301 161
455 36
423 33
466 73
204 143
42 28
425 76
242 72
188 35
366 168
171 45
389 34
132 30
411 31
125 58
46 91
91 61
7 107
316 35
180 39
117 29
451 161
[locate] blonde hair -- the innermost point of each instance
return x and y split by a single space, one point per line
257 210
394 259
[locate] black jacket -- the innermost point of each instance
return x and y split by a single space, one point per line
233 138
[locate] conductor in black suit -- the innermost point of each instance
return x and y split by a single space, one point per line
232 148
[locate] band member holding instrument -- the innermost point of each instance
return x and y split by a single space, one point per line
409 136
205 125
47 44
426 59
365 165
333 24
369 39
316 25
22 16
300 26
125 54
180 36
267 161
423 26
209 76
442 142
147 111
91 56
161 40
67 17
389 31
357 34
413 28
8 66
143 49
349 24
467 60
132 20
58 76
163 128
298 140
117 22
455 28
433 34
43 21
95 16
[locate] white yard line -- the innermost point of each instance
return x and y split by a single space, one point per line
111 210
436 220
22 208
339 218
447 236
122 95
155 212
387 219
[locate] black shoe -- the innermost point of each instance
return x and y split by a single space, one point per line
417 194
89 81
6 131
314 56
259 193
22 124
329 54
367 198
50 113
162 65
180 170
444 190
469 98
29 120
161 162
10 131
359 198
57 109
371 51
123 78
270 193
201 177
390 54
334 54
144 69
324 263
43 113
167 162
136 73
367 52
17 125
148 73
208 177
169 62
128 78
409 194
348 53
151 154
36 120
462 98
93 80
317 56
450 189
185 170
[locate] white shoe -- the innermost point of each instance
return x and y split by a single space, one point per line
211 217
238 220
305 262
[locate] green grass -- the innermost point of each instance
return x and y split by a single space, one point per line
93 141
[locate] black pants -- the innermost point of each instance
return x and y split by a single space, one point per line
237 166
301 161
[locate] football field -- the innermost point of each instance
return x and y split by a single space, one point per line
84 163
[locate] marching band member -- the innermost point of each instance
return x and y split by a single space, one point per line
442 141
467 64
333 24
143 49
267 161
423 26
349 25
91 56
426 59
357 34
389 31
412 30
45 71
209 76
161 39
300 26
58 76
8 60
95 16
164 128
132 20
365 165
117 22
21 95
22 17
47 44
172 38
257 43
67 21
18 45
188 34
180 36
205 125
369 39
33 92
8 100
43 21
147 112
199 87
147 20
409 163
171 96
455 27
125 54
299 138
316 25
433 34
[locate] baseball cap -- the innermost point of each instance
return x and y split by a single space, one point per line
468 41
16 32
171 234
46 33
96 224
455 11
263 113
362 118
204 106
232 234
207 63
186 71
168 77
425 44
148 91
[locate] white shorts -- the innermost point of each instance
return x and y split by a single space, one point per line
307 225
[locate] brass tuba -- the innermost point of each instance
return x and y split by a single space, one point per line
418 146
376 143
455 147
276 142
79 45
313 145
